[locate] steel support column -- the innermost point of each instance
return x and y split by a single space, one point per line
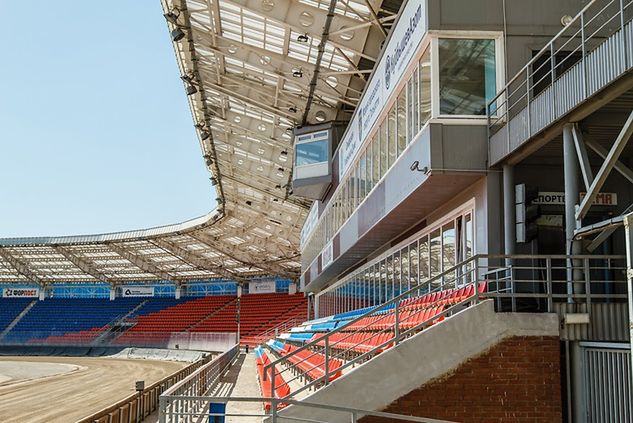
571 171
509 212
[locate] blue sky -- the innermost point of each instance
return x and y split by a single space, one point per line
95 131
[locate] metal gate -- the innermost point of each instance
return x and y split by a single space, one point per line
607 382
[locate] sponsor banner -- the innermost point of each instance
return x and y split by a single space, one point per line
327 256
397 54
138 291
20 292
261 287
558 198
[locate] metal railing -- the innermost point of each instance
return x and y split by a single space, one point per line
351 414
180 399
566 52
529 284
273 332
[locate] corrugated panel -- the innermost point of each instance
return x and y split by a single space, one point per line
607 384
607 322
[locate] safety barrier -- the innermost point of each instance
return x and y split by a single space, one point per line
134 408
525 283
352 414
181 397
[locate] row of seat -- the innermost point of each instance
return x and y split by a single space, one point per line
282 389
360 342
310 363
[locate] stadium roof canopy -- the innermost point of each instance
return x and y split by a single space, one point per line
252 70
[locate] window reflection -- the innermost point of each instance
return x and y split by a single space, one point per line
467 75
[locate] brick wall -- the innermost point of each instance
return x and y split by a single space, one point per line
516 381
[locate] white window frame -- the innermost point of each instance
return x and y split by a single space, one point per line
497 36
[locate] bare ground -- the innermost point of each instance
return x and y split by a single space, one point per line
92 385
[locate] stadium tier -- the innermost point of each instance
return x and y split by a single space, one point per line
144 321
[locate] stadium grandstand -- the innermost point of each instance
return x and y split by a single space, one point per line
424 214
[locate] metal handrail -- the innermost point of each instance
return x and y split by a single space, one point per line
472 270
353 413
499 107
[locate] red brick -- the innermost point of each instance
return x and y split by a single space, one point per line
516 381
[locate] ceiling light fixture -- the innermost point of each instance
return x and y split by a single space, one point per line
172 16
297 73
177 34
303 38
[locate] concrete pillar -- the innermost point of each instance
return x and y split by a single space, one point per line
292 288
239 290
112 292
42 295
315 306
178 292
509 211
572 196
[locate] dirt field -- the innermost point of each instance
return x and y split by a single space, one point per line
48 392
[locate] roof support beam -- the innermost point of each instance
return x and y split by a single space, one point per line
84 265
21 267
141 262
239 256
607 166
193 258
619 166
583 159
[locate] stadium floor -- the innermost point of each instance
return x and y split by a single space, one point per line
35 391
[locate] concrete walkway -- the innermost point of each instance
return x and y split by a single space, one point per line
240 381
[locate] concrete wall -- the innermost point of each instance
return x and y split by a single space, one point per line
429 355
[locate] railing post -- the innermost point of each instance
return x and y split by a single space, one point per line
354 417
396 326
527 101
583 46
587 271
162 410
327 359
552 59
273 403
548 270
623 35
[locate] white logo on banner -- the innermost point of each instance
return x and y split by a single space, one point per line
20 292
558 198
138 291
261 287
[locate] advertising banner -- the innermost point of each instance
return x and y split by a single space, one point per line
20 292
402 45
138 291
261 287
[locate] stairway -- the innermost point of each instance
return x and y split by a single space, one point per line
18 318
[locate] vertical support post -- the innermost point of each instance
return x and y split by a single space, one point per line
625 59
583 49
509 212
527 101
396 326
570 165
162 410
354 417
628 222
552 61
273 405
327 360
548 269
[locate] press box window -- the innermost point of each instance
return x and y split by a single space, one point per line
314 144
467 75
312 151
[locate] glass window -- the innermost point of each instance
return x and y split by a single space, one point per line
369 168
413 264
362 178
405 283
311 152
467 75
375 149
424 258
402 121
393 141
384 148
412 106
425 88
435 253
448 249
